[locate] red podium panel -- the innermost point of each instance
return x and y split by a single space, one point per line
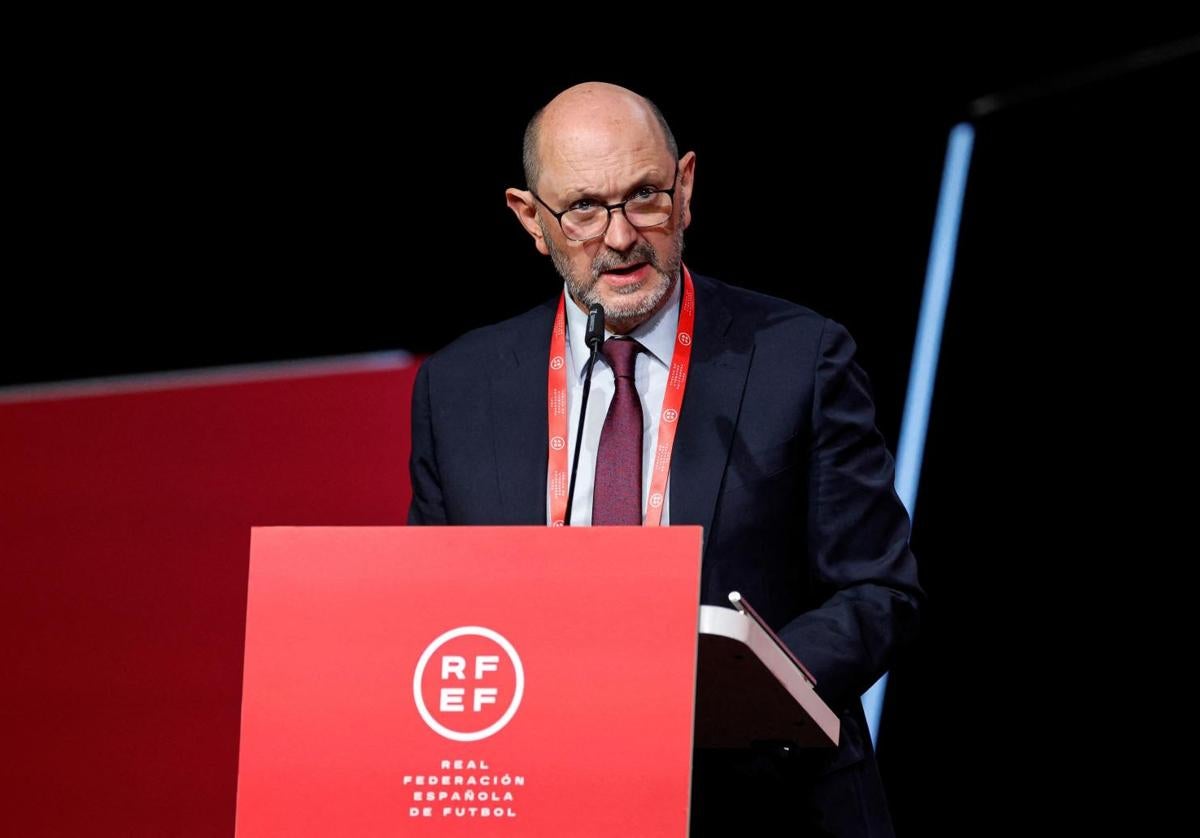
469 681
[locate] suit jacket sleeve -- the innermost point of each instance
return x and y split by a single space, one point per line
859 561
427 506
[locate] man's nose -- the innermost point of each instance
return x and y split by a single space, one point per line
620 234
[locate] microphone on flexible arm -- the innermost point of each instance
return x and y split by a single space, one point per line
593 337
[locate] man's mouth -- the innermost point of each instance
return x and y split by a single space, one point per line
625 270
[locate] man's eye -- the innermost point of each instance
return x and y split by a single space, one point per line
643 193
583 204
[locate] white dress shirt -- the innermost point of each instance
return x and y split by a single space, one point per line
657 335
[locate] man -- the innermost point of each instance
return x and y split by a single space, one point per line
774 449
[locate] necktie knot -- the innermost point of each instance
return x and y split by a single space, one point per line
621 355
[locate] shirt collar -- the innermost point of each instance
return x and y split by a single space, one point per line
657 334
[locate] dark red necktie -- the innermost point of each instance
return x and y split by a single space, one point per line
617 497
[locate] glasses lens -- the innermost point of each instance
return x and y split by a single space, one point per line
580 224
641 211
648 210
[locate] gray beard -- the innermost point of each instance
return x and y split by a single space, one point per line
586 292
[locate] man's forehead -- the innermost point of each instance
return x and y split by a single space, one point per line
568 178
587 162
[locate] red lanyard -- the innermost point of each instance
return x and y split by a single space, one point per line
559 475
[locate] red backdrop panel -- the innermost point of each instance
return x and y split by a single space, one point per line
125 515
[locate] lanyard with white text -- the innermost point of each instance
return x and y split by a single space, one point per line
556 406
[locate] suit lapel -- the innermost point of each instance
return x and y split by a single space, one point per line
716 381
518 394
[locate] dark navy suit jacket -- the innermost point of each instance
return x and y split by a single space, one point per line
777 457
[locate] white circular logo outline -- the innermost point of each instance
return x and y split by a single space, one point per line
518 693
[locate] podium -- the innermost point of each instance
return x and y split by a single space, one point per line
496 680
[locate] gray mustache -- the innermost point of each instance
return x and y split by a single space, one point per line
641 253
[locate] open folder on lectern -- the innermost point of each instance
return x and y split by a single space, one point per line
752 688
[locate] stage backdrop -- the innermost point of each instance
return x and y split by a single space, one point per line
125 515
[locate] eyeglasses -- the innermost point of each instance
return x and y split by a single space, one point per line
585 219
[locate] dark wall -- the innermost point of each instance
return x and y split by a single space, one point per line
1051 485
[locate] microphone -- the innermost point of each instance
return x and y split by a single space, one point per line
593 337
593 333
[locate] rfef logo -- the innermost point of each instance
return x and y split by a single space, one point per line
468 683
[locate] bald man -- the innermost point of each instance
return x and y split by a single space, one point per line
775 452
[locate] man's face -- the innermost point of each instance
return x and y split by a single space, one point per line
604 153
627 270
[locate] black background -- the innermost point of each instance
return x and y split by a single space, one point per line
244 205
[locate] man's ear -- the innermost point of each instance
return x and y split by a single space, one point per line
687 175
521 202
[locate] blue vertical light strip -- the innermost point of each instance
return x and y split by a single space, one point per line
921 373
